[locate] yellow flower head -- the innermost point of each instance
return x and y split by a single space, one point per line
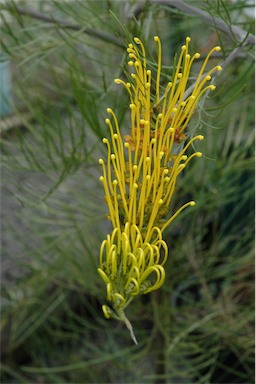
139 176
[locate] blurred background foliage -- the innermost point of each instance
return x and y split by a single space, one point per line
199 328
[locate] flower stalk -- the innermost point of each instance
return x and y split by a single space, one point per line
140 174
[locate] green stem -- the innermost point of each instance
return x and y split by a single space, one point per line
128 325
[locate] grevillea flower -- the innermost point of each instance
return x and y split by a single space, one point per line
140 174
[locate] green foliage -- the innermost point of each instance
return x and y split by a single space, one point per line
199 327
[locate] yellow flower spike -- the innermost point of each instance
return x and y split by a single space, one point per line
140 173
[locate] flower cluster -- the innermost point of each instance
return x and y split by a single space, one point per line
140 174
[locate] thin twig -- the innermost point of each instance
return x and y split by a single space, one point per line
129 326
65 24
